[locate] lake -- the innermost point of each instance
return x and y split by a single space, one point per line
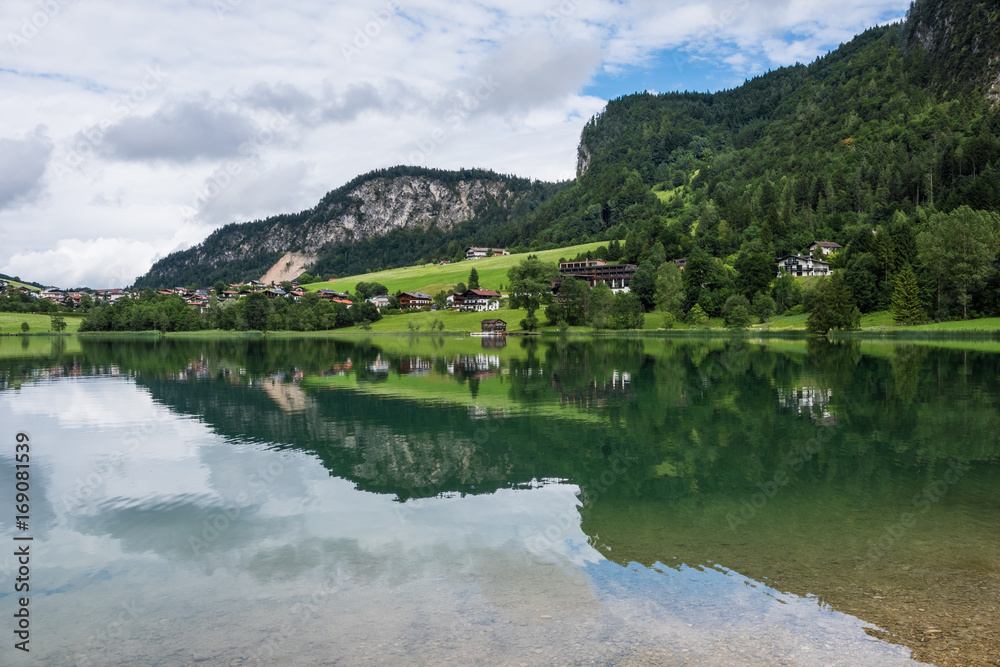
429 500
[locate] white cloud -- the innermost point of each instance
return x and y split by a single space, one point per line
159 96
22 167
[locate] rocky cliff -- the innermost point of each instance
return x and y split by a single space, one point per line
371 206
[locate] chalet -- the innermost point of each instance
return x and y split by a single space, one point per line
381 301
617 276
799 266
255 283
479 300
414 300
297 294
493 326
476 252
331 295
826 247
344 302
274 293
444 262
225 295
681 262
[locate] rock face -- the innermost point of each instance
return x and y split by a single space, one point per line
583 157
289 267
369 206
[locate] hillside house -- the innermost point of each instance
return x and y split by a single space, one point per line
381 301
826 247
476 252
479 300
800 266
331 295
617 276
414 300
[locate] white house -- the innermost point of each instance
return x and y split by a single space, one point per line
476 252
828 247
479 300
799 266
381 301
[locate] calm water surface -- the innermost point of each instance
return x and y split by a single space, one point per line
430 500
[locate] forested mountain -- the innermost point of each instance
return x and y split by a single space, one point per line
390 217
892 135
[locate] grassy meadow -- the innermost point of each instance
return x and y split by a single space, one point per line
10 323
432 278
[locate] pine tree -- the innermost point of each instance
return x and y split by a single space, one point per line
834 307
473 279
906 305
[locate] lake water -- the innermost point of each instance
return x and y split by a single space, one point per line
522 502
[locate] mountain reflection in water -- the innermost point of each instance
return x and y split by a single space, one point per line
854 485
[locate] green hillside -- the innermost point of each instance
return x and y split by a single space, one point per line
431 278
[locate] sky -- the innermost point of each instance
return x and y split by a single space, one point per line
129 131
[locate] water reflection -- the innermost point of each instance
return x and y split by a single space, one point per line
511 486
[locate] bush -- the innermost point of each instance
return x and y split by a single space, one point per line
797 309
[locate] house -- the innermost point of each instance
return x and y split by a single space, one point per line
444 262
479 300
493 326
476 252
345 302
827 247
3 284
617 276
799 266
681 262
414 300
331 295
381 301
275 293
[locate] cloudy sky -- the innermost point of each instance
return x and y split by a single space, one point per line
132 130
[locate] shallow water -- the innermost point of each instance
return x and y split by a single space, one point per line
428 500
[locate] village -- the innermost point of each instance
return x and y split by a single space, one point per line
617 276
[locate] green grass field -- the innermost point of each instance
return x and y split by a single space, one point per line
10 323
16 284
432 278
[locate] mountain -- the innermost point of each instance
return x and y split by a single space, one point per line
897 125
385 218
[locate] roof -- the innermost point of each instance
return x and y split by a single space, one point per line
482 292
827 244
418 295
491 321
